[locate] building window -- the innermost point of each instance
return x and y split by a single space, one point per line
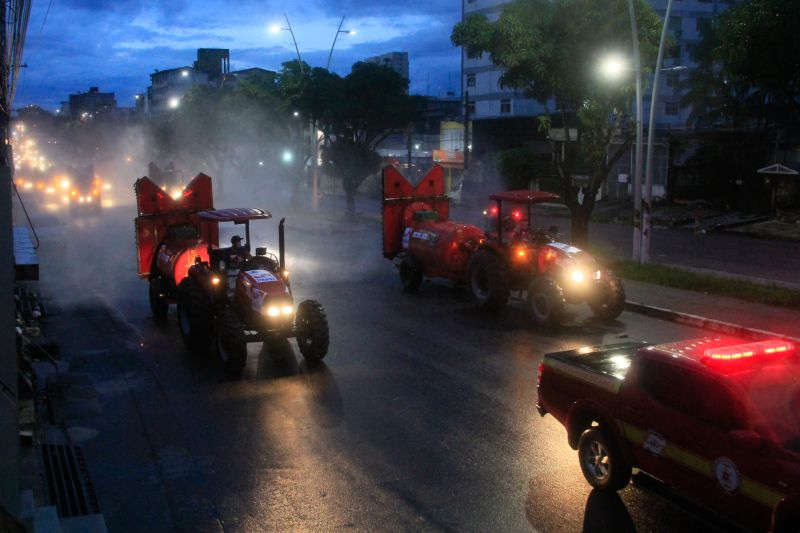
471 108
702 24
671 108
675 24
672 79
505 105
675 52
470 80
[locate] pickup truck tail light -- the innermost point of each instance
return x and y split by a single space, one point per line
748 351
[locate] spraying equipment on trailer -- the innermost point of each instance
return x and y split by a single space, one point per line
509 255
225 297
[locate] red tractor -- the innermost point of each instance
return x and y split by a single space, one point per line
225 297
510 255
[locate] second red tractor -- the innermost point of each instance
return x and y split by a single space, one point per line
509 255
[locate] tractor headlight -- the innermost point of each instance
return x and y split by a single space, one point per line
287 309
577 276
215 280
273 311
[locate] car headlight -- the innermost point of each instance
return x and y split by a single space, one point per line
577 276
597 275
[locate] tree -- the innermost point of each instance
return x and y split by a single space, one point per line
550 50
355 114
757 41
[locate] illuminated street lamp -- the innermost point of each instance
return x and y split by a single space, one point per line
275 28
174 102
338 31
287 156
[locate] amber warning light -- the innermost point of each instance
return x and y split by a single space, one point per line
745 351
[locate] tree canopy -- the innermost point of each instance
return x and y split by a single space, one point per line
551 50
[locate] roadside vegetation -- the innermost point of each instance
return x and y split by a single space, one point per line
678 278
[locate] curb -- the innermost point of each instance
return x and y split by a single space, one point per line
697 321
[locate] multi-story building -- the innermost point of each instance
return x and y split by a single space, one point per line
397 60
487 101
81 105
212 68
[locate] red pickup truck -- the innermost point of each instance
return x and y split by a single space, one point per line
718 419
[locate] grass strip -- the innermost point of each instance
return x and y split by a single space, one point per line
678 278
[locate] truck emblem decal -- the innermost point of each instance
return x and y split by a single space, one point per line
727 475
654 443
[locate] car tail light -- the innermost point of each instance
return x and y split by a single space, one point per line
539 374
750 350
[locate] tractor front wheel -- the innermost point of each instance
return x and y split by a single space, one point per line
158 307
610 299
231 342
410 273
194 316
546 302
487 279
312 331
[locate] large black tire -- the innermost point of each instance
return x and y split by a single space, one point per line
546 302
487 280
195 317
231 342
158 307
602 462
610 300
312 331
410 273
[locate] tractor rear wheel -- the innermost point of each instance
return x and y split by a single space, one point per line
158 307
312 331
194 315
231 342
610 299
410 273
546 302
487 280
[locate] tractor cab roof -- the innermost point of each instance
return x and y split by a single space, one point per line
533 197
234 214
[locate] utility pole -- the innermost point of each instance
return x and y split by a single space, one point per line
637 173
466 130
647 230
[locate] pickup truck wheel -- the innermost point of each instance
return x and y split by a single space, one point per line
487 280
546 302
231 343
610 300
194 316
602 462
312 331
158 307
410 273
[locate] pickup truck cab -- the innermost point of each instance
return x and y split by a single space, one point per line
718 419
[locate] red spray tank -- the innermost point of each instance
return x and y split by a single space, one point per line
415 224
168 230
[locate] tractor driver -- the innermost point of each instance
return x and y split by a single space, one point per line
238 252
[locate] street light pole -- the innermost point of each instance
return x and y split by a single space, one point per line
296 48
637 173
651 133
338 31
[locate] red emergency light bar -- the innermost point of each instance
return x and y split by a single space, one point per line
744 351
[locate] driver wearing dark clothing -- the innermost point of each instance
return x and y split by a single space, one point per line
237 253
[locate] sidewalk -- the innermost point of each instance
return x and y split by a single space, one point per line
720 308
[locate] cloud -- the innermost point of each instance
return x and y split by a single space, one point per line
116 45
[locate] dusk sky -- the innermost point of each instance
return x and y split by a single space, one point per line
116 44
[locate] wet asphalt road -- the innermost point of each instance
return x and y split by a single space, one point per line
421 418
